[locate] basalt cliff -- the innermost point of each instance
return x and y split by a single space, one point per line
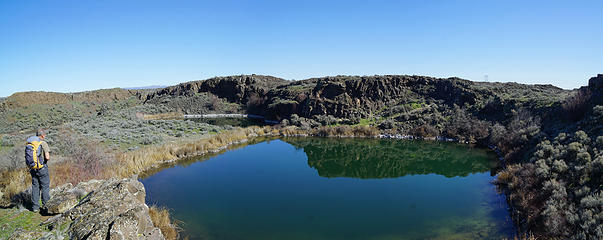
550 139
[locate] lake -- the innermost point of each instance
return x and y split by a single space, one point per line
335 188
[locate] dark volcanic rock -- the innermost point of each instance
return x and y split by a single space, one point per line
357 96
596 83
351 97
234 88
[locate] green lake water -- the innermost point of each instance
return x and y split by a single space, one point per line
332 188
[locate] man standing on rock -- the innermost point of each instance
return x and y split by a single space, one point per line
37 154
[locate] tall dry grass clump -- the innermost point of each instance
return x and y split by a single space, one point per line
293 131
161 219
162 116
13 182
143 159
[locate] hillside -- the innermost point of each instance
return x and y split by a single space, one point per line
550 138
52 108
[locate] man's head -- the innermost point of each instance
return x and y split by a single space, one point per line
41 134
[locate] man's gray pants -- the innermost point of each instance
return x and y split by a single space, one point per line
40 181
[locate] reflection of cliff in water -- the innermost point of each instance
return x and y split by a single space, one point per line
386 158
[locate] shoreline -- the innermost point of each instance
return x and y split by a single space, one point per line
148 160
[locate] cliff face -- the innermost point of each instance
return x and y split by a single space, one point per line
595 85
236 89
360 97
351 96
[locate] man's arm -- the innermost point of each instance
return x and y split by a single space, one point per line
46 149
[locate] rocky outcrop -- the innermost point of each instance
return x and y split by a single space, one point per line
109 209
236 89
66 196
362 96
351 97
596 83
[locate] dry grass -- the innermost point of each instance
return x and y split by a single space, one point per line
13 182
143 159
163 116
161 219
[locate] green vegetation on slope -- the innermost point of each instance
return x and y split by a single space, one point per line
520 121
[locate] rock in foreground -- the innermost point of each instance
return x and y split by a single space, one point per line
114 210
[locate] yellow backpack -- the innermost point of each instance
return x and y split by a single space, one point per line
31 155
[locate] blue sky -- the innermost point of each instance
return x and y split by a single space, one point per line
71 46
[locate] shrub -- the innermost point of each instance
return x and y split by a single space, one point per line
13 159
576 105
255 102
557 193
301 97
5 142
345 131
522 128
425 131
86 160
325 120
465 127
598 112
387 124
213 103
497 133
153 139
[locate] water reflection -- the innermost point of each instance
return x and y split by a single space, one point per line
271 190
383 158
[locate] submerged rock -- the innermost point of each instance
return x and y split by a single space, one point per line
109 209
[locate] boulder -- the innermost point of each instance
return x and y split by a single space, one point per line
62 199
66 196
109 209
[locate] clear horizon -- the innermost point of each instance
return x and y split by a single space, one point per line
72 46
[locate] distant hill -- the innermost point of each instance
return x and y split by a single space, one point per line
23 99
146 87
